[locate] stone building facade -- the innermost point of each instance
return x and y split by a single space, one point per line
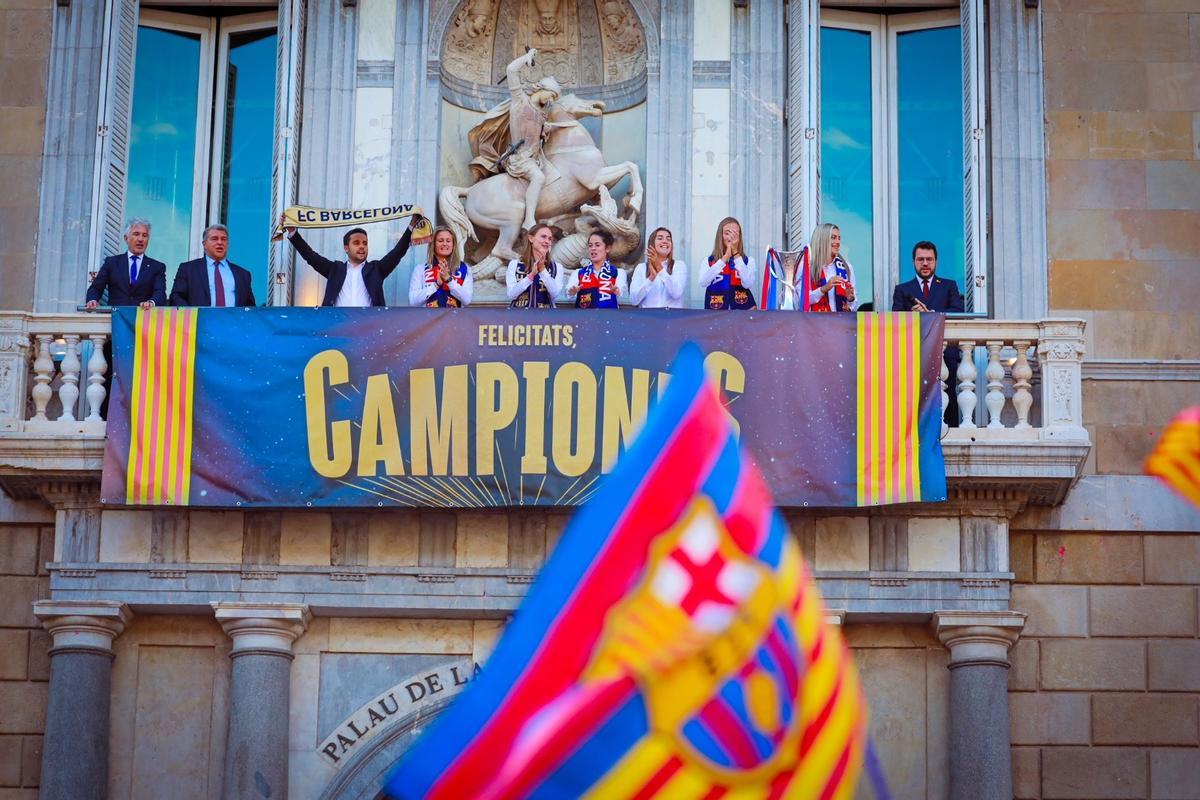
1036 637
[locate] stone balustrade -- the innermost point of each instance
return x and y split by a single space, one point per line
52 369
1029 387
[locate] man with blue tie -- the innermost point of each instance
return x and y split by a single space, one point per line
131 278
928 292
212 280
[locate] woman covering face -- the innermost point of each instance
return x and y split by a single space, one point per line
731 273
660 281
441 283
598 284
535 280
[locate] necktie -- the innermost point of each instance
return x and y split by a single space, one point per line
219 300
925 288
132 270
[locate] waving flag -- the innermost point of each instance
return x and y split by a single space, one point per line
672 645
1175 460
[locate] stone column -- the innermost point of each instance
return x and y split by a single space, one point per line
75 748
256 751
980 752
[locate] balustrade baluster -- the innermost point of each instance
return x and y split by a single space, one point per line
995 385
943 378
68 391
966 384
43 373
97 366
1022 375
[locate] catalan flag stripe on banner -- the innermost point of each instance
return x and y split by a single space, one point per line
889 399
672 646
1175 460
160 441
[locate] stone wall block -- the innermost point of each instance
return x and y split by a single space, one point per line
39 655
889 544
1094 773
169 535
215 537
24 705
1052 610
14 654
437 539
1097 664
804 528
1141 719
1175 774
125 537
1143 611
933 544
526 539
843 544
394 536
1173 559
260 537
10 760
1175 667
351 539
18 551
303 539
1020 556
1088 558
31 760
1049 718
16 610
1027 773
1023 669
482 539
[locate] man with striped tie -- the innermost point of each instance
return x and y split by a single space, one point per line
213 280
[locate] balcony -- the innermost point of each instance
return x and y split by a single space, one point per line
1018 390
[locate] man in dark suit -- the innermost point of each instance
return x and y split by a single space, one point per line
212 280
355 282
928 292
131 278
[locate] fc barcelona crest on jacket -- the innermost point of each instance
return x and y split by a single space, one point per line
727 291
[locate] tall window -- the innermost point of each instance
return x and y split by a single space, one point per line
201 133
897 145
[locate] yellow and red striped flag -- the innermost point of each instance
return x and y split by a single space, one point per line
1175 460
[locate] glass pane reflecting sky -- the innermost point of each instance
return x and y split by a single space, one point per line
246 162
846 175
162 145
929 89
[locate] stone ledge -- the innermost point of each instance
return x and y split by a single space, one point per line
479 592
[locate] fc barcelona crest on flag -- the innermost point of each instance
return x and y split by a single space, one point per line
673 646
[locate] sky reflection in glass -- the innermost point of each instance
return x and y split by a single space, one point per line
846 149
930 122
162 143
246 162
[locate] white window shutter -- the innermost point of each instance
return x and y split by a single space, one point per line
116 103
975 290
289 66
803 120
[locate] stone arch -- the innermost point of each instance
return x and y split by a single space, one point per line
363 777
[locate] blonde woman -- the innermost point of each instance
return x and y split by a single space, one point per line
535 281
730 272
660 281
832 284
437 284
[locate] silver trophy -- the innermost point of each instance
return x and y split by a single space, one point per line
790 275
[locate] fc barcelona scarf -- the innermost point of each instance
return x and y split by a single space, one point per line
441 297
597 289
727 291
536 295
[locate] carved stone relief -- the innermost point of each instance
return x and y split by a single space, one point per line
581 43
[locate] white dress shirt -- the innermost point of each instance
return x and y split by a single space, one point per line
354 292
514 287
665 291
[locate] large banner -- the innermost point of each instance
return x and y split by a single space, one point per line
473 408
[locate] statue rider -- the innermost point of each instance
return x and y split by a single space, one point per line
526 121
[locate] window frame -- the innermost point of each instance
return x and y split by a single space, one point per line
206 27
885 246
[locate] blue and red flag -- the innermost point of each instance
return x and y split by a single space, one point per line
673 644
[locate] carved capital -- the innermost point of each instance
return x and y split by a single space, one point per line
81 625
977 638
262 628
